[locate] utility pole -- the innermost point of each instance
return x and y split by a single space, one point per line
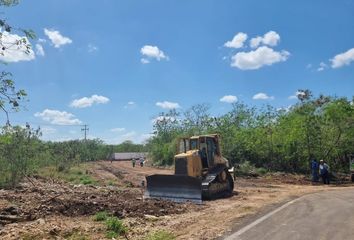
85 129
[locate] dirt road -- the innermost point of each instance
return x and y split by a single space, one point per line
326 215
123 170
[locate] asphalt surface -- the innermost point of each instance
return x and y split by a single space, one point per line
326 215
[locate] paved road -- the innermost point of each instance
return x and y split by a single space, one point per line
320 216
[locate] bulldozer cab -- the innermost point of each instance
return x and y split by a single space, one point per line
207 146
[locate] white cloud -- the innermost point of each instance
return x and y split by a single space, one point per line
271 38
144 61
58 117
262 96
258 58
254 42
92 48
89 101
13 52
168 105
343 59
117 129
57 39
308 66
228 99
322 67
152 52
39 50
237 41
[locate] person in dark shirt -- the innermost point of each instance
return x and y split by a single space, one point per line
314 170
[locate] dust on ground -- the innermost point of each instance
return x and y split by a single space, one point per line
51 209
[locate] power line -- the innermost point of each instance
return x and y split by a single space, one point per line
85 129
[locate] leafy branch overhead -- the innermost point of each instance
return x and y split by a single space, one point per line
8 93
8 3
10 97
10 43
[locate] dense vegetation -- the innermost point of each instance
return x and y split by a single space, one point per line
276 139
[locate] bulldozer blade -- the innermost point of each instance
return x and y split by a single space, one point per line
176 188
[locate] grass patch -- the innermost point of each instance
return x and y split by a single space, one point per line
74 175
100 216
115 227
86 180
160 235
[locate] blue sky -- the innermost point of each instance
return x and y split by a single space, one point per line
114 65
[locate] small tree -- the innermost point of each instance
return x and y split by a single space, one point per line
19 148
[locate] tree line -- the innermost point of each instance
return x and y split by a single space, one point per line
276 139
22 153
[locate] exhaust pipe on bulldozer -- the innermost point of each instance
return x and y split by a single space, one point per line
177 188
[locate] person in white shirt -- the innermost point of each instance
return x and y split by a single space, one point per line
324 172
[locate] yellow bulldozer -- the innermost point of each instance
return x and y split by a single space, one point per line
201 172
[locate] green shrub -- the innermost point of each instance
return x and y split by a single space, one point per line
100 216
115 225
261 171
160 235
86 180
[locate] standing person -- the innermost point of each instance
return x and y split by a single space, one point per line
141 162
133 162
314 170
324 172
